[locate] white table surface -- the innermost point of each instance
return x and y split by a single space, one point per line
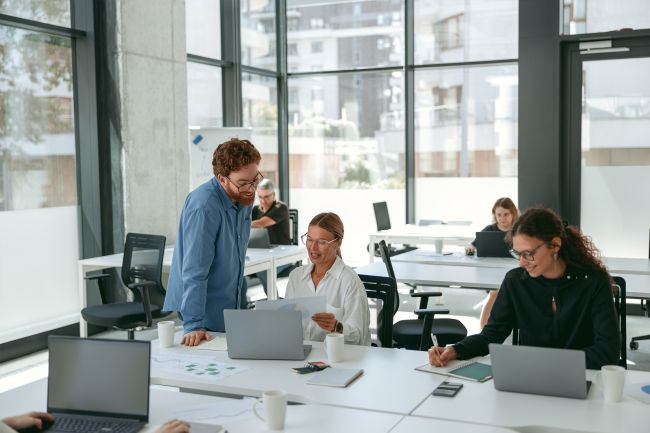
433 234
257 260
615 265
389 383
485 278
481 403
165 403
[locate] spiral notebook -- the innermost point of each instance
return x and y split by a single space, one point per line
471 370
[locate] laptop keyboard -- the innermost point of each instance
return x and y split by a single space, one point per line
85 425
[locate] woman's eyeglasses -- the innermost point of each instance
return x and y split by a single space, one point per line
320 243
528 255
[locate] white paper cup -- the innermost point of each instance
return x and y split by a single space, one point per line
613 381
166 333
275 408
334 347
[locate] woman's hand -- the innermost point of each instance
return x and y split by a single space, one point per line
193 338
470 250
326 321
440 356
174 426
32 419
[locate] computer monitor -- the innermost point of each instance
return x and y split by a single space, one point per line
381 215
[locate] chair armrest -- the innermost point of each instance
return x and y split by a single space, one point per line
424 298
431 311
428 314
143 289
97 277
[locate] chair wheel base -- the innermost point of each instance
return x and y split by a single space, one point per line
634 345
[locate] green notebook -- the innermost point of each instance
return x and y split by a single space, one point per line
472 370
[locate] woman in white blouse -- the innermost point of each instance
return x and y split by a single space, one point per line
327 275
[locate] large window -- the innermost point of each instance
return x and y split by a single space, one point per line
260 108
204 102
465 115
346 145
594 16
39 228
258 34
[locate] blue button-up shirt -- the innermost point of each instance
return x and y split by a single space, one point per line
208 263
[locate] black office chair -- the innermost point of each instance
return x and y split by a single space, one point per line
383 223
619 293
141 273
634 343
384 290
293 221
416 333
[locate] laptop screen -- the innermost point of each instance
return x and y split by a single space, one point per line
99 377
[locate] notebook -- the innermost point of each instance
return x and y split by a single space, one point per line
98 385
539 370
471 370
491 244
265 334
339 377
259 238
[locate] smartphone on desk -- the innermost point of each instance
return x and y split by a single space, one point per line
447 389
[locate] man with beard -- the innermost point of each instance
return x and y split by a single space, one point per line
208 263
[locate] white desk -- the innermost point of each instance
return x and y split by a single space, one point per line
481 403
471 277
257 260
165 403
435 234
389 383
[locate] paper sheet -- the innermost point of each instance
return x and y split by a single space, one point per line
205 367
218 343
308 306
639 391
218 413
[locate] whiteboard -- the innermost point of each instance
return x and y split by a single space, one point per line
203 142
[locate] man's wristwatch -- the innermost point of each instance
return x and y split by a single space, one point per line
338 328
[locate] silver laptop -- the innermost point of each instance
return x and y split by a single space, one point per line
265 334
97 385
539 370
259 238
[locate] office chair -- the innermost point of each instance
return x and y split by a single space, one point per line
384 290
293 221
416 334
634 343
619 293
383 223
141 273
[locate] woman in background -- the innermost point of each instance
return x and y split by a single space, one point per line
328 276
504 214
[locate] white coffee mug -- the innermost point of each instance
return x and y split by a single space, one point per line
166 333
334 346
613 380
275 408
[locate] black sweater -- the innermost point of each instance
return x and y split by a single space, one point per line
584 319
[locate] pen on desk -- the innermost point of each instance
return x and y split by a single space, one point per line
434 340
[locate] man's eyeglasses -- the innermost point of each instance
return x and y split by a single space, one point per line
528 255
320 243
247 186
264 197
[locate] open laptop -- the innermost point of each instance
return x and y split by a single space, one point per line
97 385
491 244
539 370
259 238
265 334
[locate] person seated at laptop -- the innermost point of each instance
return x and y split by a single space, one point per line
273 215
560 296
504 214
328 276
39 420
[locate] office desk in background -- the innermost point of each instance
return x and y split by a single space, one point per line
257 260
450 234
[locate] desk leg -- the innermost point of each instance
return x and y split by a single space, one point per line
83 300
272 276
